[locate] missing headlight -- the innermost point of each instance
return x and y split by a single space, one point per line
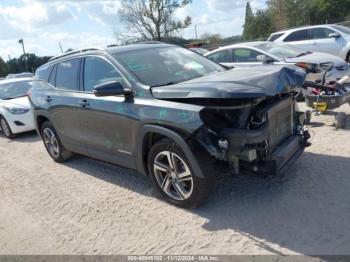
218 119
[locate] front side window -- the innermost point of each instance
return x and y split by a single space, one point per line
223 56
14 89
166 65
98 71
300 35
320 33
67 74
242 55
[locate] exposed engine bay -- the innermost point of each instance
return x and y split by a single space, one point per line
259 137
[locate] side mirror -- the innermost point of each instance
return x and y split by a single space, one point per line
334 35
113 88
264 59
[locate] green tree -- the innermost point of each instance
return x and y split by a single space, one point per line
248 28
17 65
3 68
152 19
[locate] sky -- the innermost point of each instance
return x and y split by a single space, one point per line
42 24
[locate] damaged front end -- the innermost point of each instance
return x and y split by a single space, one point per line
261 137
250 118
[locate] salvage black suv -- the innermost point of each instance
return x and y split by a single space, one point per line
169 113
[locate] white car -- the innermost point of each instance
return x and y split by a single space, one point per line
16 115
257 53
332 39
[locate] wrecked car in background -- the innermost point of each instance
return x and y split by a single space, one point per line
169 113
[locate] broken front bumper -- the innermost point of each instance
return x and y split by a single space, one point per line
251 152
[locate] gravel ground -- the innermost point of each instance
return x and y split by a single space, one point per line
89 207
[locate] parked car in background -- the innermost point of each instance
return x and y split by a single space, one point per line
332 39
16 115
20 75
198 50
257 53
169 113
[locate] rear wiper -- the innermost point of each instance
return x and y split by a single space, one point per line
302 54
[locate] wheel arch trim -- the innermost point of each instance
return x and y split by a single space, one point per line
169 134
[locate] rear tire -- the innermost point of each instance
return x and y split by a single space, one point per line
6 129
53 144
173 176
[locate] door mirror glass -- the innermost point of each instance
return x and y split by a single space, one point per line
334 35
113 88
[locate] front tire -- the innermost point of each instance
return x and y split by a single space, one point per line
173 176
6 129
53 144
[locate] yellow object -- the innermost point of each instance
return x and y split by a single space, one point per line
320 106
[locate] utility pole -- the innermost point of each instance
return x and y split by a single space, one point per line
195 30
59 43
20 41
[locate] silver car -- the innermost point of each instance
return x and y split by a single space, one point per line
257 53
332 39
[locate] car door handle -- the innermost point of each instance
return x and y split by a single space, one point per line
84 103
48 99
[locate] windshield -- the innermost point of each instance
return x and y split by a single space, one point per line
14 89
341 28
166 65
282 51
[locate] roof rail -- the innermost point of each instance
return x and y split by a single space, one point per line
293 27
76 52
300 26
150 42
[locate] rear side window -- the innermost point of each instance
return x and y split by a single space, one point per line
67 74
275 37
98 71
245 55
300 35
44 73
223 56
320 33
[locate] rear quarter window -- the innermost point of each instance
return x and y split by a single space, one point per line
44 73
275 37
223 56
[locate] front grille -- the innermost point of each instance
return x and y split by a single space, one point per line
280 119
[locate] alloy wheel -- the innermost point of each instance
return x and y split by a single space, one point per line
51 142
173 175
5 128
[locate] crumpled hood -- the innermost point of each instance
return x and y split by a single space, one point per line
20 102
317 58
254 82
